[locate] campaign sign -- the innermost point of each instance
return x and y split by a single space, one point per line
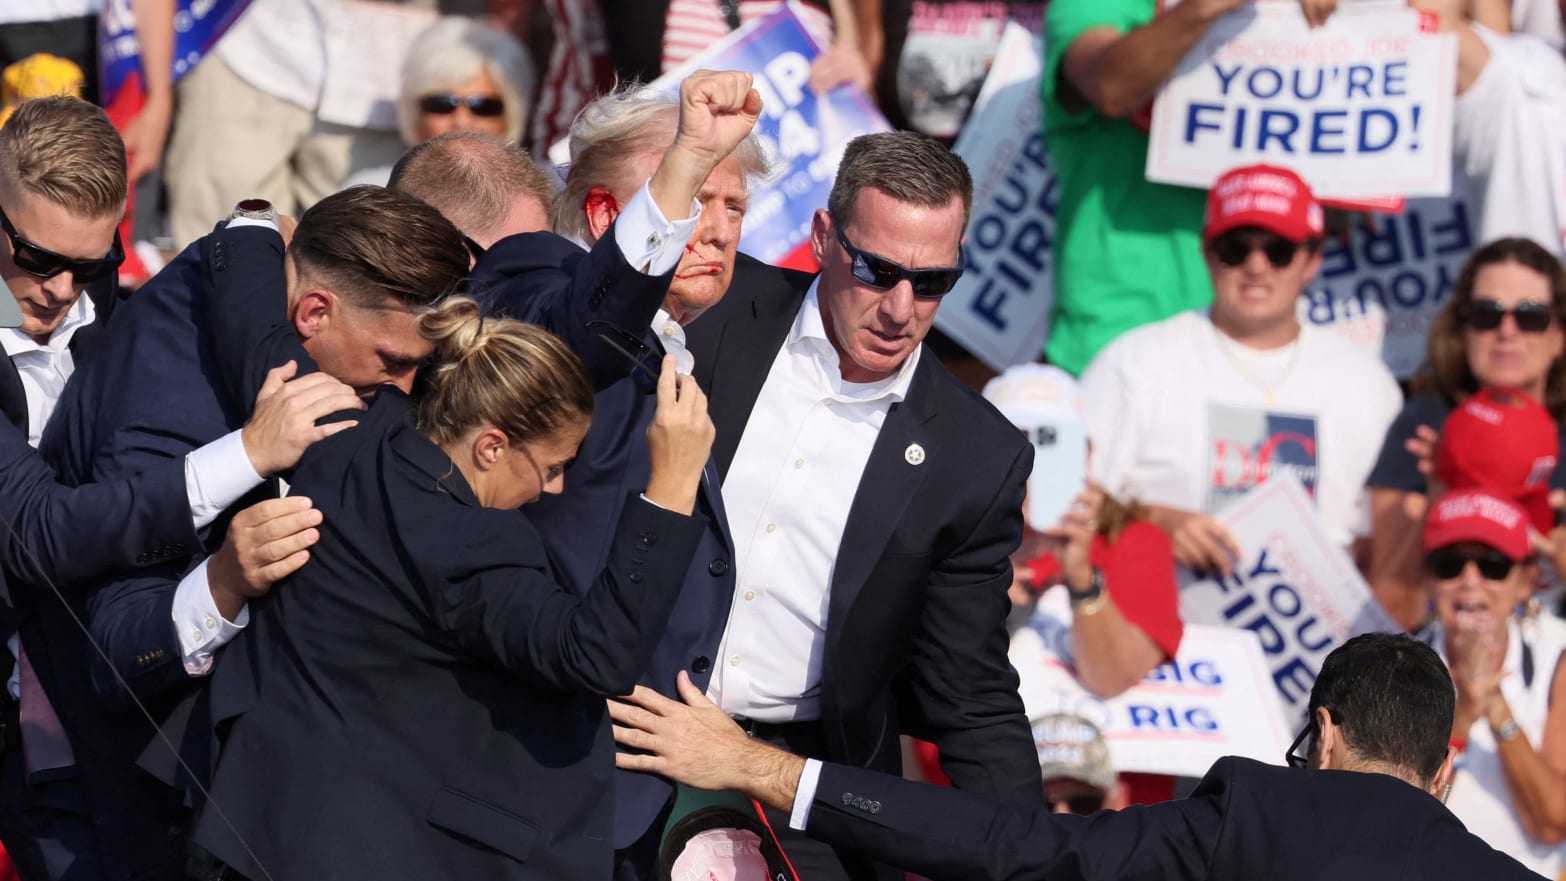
197 26
1250 446
1292 587
804 133
999 311
1359 107
1214 699
1385 285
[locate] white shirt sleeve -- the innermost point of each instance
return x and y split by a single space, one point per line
1506 135
217 475
202 629
651 242
237 222
804 794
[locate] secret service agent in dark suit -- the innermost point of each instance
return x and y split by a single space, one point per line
915 638
439 711
1381 714
578 524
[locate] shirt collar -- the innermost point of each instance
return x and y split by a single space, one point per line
808 338
81 314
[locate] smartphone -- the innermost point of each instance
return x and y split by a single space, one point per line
1059 472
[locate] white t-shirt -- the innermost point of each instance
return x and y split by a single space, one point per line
1176 421
1509 136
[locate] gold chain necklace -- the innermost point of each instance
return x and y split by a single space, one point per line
1267 387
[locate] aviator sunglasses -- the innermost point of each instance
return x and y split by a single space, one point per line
1234 250
1531 315
445 102
44 263
1449 562
882 274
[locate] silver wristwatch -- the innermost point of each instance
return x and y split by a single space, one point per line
255 209
1507 731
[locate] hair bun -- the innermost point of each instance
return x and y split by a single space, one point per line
456 326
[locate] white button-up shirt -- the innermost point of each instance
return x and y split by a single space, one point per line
787 494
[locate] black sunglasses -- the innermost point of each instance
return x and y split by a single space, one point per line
1234 249
44 263
1449 562
1296 756
1085 804
644 359
882 274
1531 316
478 105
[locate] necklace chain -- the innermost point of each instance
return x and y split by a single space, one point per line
1267 386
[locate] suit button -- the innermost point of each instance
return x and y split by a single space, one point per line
848 798
718 567
636 576
649 538
142 559
701 664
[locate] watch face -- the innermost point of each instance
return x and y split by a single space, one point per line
254 206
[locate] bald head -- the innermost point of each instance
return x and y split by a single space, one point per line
487 187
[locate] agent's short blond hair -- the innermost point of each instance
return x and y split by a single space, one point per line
67 151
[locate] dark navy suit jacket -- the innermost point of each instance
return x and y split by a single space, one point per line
57 537
431 702
578 525
1244 821
916 640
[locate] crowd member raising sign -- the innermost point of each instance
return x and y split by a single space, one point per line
1190 413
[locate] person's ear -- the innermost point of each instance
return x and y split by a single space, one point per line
314 311
601 209
820 229
1330 748
1119 796
489 447
1441 785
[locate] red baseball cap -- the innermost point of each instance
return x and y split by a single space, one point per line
1266 196
1475 515
1504 442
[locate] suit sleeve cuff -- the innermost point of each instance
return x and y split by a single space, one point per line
201 628
805 794
218 475
651 242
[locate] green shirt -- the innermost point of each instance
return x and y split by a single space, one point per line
1127 252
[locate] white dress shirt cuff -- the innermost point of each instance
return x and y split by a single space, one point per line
218 475
202 629
804 794
237 222
651 242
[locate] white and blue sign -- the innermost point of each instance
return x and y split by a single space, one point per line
197 26
804 133
1360 107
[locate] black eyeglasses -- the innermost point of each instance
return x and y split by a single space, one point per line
1449 562
44 263
1297 756
1531 316
1085 804
882 274
478 105
644 359
1233 249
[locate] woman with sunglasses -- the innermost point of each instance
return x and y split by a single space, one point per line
460 74
1510 724
1502 328
425 699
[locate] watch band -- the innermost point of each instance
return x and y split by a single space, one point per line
1507 731
1088 602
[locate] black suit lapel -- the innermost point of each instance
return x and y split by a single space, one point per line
901 457
13 397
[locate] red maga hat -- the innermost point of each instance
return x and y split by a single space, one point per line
1265 196
1504 442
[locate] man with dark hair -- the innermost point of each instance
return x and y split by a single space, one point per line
488 188
1369 808
360 265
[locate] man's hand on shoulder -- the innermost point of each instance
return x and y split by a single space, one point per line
284 425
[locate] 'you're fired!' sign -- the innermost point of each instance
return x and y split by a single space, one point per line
1360 107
